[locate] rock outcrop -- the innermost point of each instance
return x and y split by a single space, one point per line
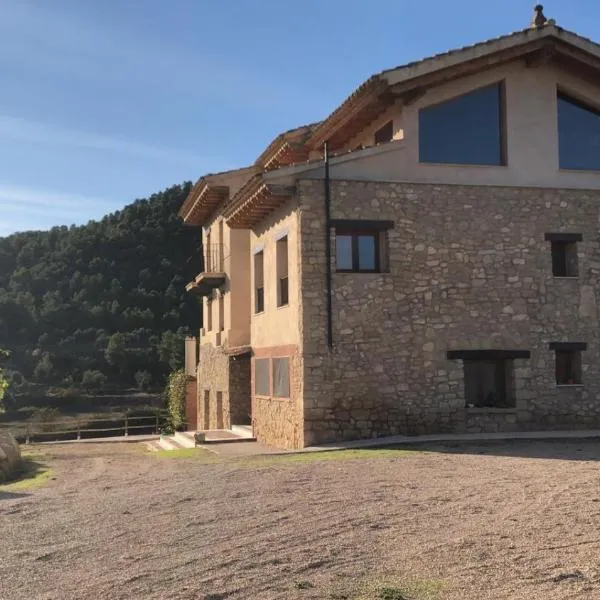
10 456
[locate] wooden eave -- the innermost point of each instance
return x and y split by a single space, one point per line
204 203
253 203
352 116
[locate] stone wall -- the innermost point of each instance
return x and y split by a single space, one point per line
226 380
191 404
469 268
279 422
240 393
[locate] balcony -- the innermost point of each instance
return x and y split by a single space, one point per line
213 275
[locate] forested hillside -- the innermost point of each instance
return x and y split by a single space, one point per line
102 304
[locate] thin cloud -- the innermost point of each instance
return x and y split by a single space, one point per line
24 208
33 132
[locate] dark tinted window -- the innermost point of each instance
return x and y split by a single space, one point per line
488 383
366 253
281 377
467 130
568 367
262 385
385 133
578 135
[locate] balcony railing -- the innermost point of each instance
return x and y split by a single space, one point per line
214 258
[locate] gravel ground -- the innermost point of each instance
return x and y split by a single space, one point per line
505 521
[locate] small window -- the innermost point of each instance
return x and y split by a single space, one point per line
568 362
578 135
259 289
385 133
488 383
281 377
357 251
262 385
282 272
568 367
564 253
221 312
564 259
209 309
468 130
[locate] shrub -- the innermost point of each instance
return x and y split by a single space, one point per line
143 380
93 380
175 393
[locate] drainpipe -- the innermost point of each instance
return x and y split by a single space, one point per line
328 244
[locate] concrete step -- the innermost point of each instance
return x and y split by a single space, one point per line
185 438
153 445
243 431
170 443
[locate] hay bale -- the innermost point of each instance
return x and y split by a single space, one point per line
10 456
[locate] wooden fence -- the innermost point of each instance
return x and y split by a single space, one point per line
89 427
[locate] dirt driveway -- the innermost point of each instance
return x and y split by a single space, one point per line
505 521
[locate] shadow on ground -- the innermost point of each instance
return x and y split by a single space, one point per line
580 450
11 495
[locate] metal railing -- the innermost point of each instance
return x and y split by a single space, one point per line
214 258
91 427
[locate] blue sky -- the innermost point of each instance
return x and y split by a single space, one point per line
107 101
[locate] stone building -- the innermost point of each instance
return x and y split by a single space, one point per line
425 259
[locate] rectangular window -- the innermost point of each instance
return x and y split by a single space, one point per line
282 272
385 134
221 312
468 130
259 285
206 424
578 134
488 383
564 253
209 309
262 378
357 251
568 362
281 377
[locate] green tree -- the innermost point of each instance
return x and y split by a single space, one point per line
93 380
143 379
66 292
171 349
3 381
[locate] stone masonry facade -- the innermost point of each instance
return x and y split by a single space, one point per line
279 422
469 269
224 395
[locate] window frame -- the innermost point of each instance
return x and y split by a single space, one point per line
572 351
564 253
289 373
282 273
572 99
259 290
269 378
502 127
355 234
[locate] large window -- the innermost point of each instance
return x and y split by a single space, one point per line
578 135
468 130
488 383
259 282
281 377
262 383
